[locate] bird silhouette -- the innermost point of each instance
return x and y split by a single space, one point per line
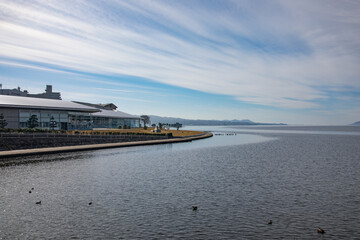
39 202
320 230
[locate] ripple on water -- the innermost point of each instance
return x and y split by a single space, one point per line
300 181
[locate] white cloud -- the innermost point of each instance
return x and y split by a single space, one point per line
275 54
81 96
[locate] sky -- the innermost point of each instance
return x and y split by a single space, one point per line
280 61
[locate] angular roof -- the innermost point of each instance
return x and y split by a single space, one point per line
113 114
106 106
42 103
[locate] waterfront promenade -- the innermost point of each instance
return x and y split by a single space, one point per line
49 150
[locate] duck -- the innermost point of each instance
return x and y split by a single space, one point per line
270 221
194 208
39 202
320 230
90 203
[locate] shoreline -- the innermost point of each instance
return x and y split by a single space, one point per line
50 150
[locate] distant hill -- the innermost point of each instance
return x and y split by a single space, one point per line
356 123
192 122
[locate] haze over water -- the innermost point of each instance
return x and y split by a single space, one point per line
300 177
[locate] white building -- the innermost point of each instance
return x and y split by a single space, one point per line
67 115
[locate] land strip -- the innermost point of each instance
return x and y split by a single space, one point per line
34 138
37 151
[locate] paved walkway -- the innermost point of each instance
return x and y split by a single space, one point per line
25 152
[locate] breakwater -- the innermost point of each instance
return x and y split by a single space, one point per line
133 140
16 141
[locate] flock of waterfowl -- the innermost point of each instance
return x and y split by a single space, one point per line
39 202
194 208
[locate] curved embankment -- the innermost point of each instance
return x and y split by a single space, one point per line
37 151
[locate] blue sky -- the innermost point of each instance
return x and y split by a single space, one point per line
296 62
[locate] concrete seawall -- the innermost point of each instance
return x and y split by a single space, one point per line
37 151
19 141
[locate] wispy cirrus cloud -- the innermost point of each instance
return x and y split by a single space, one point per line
76 96
278 53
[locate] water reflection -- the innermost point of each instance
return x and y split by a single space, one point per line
33 159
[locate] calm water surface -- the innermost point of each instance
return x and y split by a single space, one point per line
300 177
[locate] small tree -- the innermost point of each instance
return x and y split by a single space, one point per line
177 125
145 119
33 122
53 123
3 121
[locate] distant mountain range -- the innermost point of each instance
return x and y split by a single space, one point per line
171 120
356 123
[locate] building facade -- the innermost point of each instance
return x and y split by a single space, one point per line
62 114
108 117
59 114
114 119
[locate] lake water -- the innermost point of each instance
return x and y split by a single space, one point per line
300 177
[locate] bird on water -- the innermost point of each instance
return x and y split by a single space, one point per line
194 208
320 230
270 221
39 202
90 203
